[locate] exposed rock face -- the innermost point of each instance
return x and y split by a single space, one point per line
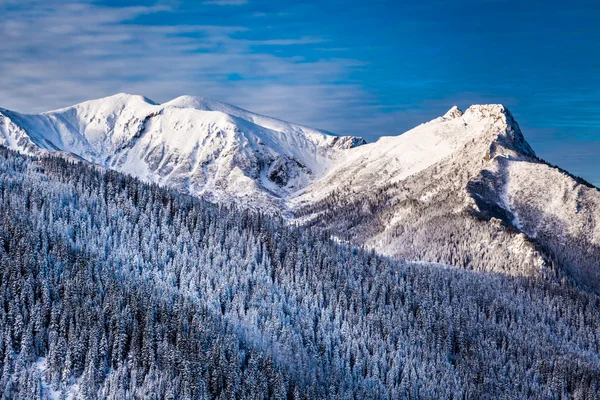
452 113
347 142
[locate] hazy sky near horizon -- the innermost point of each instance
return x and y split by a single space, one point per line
352 67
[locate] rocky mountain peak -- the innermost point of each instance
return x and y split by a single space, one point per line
503 131
347 142
452 113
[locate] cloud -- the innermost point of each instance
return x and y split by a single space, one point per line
286 42
61 54
226 2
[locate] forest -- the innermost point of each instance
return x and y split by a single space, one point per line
114 288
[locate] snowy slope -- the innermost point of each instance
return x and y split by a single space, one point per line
195 145
560 212
464 189
392 159
319 137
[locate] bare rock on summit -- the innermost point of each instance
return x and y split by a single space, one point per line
452 113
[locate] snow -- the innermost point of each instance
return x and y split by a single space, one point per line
457 166
72 391
226 154
550 201
222 152
201 103
196 145
394 158
506 203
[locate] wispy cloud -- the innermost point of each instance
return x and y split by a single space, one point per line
60 54
287 42
226 2
373 69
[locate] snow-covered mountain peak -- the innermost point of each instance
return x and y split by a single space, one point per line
467 191
318 136
501 130
452 113
116 102
199 103
197 145
487 110
482 133
491 114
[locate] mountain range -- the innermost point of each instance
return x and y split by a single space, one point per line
196 250
464 190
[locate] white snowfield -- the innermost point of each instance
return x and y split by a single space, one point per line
475 163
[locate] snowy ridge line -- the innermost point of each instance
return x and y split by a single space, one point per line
195 145
465 190
457 181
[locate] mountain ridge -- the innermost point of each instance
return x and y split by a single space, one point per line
198 146
467 202
464 189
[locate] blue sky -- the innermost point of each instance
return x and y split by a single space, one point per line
352 67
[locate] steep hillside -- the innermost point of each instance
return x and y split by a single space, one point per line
465 190
115 289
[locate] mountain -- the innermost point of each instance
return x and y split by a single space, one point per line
195 145
111 288
464 190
